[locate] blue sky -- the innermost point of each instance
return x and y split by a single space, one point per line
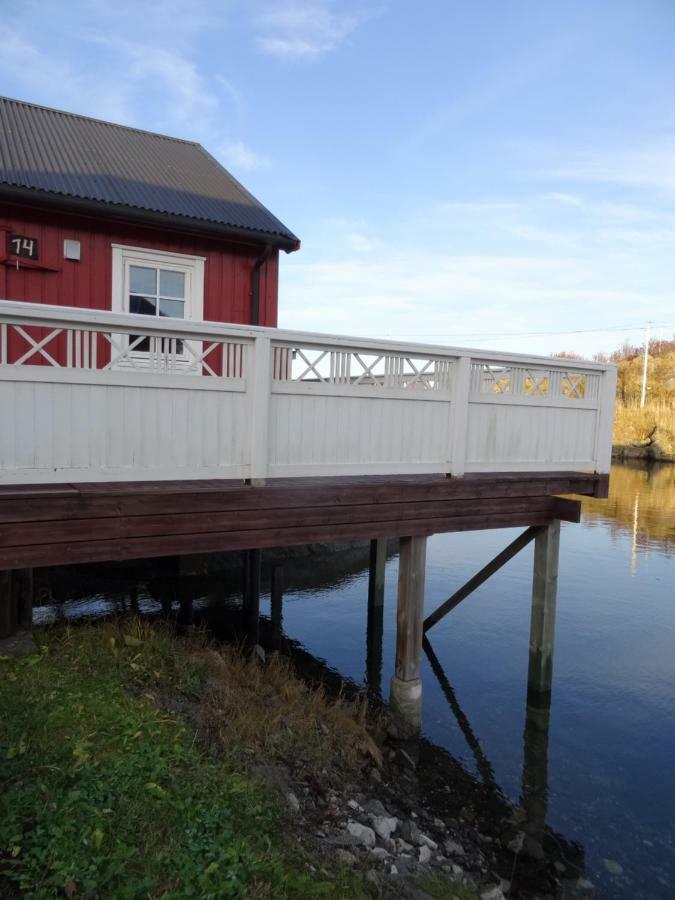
483 174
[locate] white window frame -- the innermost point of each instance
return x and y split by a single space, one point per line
123 257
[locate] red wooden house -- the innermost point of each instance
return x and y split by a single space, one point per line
104 216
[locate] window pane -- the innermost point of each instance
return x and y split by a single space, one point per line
143 306
175 309
142 280
139 346
172 284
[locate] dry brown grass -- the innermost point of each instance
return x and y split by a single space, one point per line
267 712
652 426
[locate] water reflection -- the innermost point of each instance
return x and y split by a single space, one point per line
483 764
642 504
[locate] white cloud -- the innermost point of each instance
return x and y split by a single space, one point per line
564 199
236 155
305 29
482 297
43 77
153 85
639 167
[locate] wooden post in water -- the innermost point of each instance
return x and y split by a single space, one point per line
133 597
378 561
375 623
276 599
406 685
251 597
25 590
542 624
8 611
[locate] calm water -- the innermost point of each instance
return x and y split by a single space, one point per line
609 763
611 744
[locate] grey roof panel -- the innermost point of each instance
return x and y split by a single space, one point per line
62 153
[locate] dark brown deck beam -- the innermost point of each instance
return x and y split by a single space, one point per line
61 524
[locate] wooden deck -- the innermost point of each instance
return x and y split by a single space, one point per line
47 525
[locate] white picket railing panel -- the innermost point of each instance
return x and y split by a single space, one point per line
339 433
91 395
519 437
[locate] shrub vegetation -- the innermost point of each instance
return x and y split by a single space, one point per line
105 793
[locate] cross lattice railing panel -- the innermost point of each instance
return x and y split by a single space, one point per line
105 350
361 368
534 382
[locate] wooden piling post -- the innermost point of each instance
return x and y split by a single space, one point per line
251 597
542 624
8 611
378 561
375 622
25 589
133 597
406 685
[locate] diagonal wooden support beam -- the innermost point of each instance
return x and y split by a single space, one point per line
500 560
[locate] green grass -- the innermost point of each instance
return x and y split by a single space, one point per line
440 888
104 794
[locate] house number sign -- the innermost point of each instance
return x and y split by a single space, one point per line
20 245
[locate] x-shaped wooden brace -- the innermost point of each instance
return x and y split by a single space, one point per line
367 370
311 366
37 346
419 373
576 385
500 387
539 383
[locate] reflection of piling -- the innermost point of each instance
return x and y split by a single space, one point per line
375 623
634 541
252 560
535 764
277 584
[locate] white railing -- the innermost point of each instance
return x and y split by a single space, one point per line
87 395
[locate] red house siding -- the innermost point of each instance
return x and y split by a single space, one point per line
88 282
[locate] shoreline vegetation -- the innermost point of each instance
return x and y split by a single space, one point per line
643 432
138 763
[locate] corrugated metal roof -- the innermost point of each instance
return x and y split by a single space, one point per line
74 156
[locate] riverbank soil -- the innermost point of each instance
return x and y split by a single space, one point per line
134 763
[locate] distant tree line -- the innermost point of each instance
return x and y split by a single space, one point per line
629 360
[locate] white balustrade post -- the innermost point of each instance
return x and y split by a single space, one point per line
605 421
259 380
460 415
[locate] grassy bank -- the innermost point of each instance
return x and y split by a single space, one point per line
648 431
111 788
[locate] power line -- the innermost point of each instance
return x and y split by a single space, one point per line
510 334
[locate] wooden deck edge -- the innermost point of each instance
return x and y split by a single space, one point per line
70 552
158 498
